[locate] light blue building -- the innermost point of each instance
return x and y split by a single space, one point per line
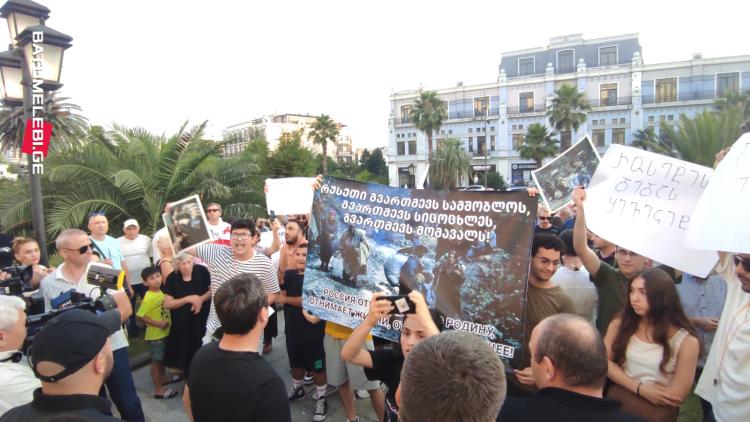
625 95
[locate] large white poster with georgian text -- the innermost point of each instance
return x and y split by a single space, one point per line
720 221
644 202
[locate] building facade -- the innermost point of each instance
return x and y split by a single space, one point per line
625 96
274 125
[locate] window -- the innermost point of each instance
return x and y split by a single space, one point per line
727 82
526 102
520 127
450 131
471 144
622 120
666 90
406 113
518 141
470 129
601 121
618 136
608 94
412 147
670 117
614 121
400 148
492 143
481 145
662 118
414 134
650 118
442 132
526 66
492 128
608 56
566 61
514 127
480 106
598 135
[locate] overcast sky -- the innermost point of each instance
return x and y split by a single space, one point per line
157 63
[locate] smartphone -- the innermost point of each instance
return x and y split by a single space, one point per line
401 304
271 216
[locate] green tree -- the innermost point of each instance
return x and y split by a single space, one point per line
428 114
646 139
375 163
68 127
323 129
496 181
697 140
568 111
538 144
447 165
291 157
739 101
127 173
364 157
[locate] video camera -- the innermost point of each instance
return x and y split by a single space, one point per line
97 275
20 275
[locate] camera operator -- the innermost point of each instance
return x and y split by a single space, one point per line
74 246
72 355
18 381
26 252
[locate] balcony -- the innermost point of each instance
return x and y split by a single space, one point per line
610 102
538 108
472 114
682 96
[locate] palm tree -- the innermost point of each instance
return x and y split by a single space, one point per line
738 100
129 173
538 144
68 127
646 140
697 140
322 130
428 114
568 111
447 164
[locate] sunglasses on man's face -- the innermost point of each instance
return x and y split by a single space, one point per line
213 210
545 218
744 261
82 250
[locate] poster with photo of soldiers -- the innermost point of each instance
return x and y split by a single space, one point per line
186 223
574 167
466 252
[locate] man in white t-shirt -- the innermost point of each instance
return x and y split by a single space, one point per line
136 252
217 228
573 278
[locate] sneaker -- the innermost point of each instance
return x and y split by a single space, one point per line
297 393
362 394
308 381
330 389
321 410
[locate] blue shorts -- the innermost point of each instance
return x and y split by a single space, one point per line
156 349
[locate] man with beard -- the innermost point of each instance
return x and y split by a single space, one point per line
72 356
543 298
293 237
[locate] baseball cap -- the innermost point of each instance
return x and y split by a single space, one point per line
130 222
72 340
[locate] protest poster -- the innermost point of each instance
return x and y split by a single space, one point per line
644 202
291 195
186 223
466 252
571 169
720 219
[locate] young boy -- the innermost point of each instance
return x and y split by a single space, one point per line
304 341
156 318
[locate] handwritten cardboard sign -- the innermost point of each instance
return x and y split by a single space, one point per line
645 202
720 219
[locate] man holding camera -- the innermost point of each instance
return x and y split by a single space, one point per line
74 247
18 383
72 355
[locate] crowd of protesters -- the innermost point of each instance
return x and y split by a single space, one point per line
609 334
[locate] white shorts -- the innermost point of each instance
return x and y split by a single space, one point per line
338 371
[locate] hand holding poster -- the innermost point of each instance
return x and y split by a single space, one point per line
291 195
466 252
186 223
644 202
720 219
569 170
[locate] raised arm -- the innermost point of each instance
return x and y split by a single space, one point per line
354 351
588 257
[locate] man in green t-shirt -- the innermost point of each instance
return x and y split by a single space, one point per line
157 320
611 283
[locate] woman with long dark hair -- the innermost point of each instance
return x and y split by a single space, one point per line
653 350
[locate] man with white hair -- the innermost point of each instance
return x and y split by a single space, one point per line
18 381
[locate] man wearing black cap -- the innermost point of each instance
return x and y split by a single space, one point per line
72 355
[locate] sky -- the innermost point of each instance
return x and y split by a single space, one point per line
156 64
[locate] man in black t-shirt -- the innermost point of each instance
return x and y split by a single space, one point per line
304 340
229 381
544 224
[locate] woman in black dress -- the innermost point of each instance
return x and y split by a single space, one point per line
187 295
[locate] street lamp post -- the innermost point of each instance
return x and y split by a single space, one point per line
412 171
31 68
486 147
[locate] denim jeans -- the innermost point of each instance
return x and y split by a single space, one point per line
121 388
